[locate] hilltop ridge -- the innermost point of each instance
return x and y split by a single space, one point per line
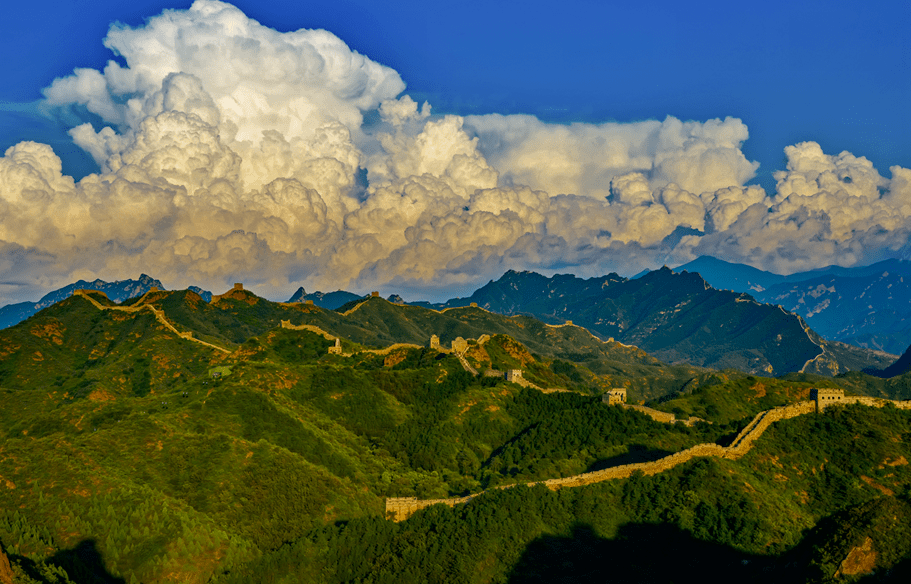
678 317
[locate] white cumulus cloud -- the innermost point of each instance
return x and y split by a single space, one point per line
234 152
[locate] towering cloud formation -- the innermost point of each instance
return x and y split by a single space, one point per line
231 151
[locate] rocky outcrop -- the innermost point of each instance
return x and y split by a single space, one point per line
6 570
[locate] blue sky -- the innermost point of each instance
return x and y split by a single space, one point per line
835 72
627 121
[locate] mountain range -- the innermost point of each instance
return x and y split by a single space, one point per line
330 300
864 306
117 291
677 317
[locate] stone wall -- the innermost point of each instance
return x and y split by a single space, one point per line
614 396
399 509
877 402
515 375
656 415
286 324
159 316
459 345
826 397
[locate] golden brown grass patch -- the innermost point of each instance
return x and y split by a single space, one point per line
394 358
241 295
877 486
860 560
478 353
900 461
100 395
518 352
52 331
7 348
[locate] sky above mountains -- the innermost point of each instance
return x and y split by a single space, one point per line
424 148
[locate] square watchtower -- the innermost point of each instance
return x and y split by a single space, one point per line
826 397
614 396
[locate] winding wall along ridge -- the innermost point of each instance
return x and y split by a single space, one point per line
399 509
159 315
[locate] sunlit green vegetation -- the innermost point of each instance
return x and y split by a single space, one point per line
129 454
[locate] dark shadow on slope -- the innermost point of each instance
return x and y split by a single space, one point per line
83 564
640 553
647 552
637 453
900 573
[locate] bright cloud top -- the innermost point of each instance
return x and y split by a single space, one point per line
235 152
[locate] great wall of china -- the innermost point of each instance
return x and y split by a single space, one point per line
159 315
399 509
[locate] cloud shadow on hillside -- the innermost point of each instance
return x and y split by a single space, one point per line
83 563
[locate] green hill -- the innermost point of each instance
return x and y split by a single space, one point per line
678 318
814 502
132 454
123 435
232 318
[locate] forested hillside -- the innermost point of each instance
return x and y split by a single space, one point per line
130 453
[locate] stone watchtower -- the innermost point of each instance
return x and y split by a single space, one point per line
435 342
459 345
514 375
614 396
337 348
826 397
238 287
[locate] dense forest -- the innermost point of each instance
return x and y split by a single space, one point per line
131 455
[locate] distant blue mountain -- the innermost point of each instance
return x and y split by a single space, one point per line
327 300
723 275
864 306
676 317
117 291
206 295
